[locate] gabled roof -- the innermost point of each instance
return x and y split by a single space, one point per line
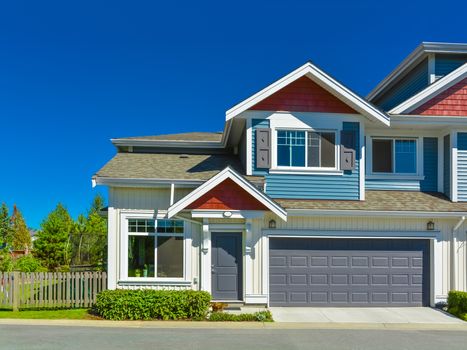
227 173
322 79
431 91
413 59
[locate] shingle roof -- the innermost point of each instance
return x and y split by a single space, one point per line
382 201
189 136
170 166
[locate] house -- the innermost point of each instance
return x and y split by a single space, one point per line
311 195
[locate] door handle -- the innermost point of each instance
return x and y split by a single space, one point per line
213 269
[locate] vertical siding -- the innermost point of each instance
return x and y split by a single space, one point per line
412 83
430 165
447 165
346 186
462 167
445 64
255 124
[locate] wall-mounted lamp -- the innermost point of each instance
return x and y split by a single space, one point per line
430 225
272 223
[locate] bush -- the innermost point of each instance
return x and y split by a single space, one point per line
152 304
457 304
28 263
260 316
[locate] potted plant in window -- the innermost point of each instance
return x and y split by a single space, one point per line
145 270
138 273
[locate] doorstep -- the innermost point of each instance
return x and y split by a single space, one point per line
374 315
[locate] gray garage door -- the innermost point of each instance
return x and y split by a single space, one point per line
348 272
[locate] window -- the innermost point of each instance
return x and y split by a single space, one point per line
306 149
394 156
155 248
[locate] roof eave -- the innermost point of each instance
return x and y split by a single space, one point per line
374 213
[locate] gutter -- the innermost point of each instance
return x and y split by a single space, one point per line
374 213
454 259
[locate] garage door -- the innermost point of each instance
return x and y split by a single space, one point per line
348 272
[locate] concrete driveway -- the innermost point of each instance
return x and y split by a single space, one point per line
363 315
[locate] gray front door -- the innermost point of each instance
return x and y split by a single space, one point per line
226 259
349 272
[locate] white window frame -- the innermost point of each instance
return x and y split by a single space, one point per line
277 168
124 249
418 174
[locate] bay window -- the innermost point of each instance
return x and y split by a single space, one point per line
155 248
394 156
311 149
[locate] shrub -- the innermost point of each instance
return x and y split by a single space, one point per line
28 263
457 304
260 316
152 304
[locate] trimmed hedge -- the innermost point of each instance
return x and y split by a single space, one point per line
457 304
152 304
260 316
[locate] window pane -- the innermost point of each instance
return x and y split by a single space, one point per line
382 156
291 148
406 156
328 149
170 226
169 256
313 149
140 256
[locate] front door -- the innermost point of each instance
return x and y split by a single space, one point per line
226 259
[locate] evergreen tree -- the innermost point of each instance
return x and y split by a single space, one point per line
52 245
20 232
5 226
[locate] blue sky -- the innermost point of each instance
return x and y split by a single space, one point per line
75 74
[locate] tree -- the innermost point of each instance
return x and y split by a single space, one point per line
5 226
20 232
52 245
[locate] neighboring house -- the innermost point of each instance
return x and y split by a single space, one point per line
311 196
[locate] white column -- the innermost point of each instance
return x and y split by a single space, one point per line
112 248
205 269
248 290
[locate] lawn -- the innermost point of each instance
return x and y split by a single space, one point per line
71 314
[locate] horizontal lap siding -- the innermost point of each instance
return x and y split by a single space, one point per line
392 185
445 64
462 167
256 124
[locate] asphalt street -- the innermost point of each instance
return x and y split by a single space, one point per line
32 337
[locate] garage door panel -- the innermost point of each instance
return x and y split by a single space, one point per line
310 272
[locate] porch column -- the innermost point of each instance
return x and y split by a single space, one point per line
206 257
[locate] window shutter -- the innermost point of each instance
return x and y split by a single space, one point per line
348 149
263 148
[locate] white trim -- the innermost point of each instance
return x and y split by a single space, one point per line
227 173
453 154
431 91
305 171
167 143
249 147
112 248
351 234
362 166
373 213
172 193
322 79
431 68
415 57
220 214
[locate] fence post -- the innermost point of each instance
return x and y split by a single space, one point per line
16 293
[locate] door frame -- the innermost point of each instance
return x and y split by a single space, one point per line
241 274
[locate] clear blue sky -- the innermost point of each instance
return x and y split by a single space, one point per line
75 74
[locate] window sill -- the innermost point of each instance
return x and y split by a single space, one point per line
395 177
305 171
154 281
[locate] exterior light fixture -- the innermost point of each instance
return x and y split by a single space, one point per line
227 214
272 223
430 225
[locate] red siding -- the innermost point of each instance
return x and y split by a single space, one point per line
452 102
303 95
227 196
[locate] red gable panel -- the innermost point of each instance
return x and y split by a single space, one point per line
303 95
452 102
227 196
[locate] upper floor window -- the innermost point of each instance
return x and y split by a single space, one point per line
311 149
397 156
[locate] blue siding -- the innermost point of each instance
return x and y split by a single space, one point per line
392 185
447 165
407 87
344 186
430 165
255 124
445 64
462 167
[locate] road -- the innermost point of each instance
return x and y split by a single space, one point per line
33 337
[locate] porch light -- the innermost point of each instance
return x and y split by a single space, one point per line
430 225
272 223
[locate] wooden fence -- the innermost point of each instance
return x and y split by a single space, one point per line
22 290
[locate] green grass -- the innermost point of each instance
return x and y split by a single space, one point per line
71 314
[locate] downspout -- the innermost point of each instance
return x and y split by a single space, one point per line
454 252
